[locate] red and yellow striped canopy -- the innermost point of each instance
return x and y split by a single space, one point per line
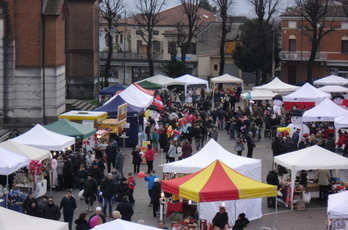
218 182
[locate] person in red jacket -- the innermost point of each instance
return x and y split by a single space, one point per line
341 140
131 186
150 157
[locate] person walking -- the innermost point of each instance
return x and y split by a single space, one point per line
119 160
110 152
215 133
89 159
125 208
68 172
172 151
251 144
186 149
81 176
90 191
108 189
198 134
136 161
150 157
272 178
155 196
51 211
150 178
122 189
239 145
68 204
131 185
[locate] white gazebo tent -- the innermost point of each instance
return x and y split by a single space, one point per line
310 158
14 220
136 97
333 89
123 225
226 78
277 86
307 93
331 80
209 153
10 161
259 95
31 152
327 110
337 206
42 138
162 80
191 80
341 122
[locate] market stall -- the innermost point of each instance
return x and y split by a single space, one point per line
72 129
258 95
87 118
310 158
112 89
337 210
334 89
14 220
209 153
149 85
189 80
162 80
123 225
277 86
327 110
331 80
205 186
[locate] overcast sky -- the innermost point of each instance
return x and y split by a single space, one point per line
239 7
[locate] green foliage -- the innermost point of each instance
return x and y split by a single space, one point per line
174 68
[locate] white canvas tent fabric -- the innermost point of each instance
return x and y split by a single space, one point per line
11 162
307 93
136 97
191 80
331 80
333 89
247 166
277 86
314 157
259 95
42 138
226 78
25 150
337 206
123 225
327 110
14 220
162 80
341 122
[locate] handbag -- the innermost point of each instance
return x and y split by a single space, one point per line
237 148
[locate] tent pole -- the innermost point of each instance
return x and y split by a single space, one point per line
276 214
161 151
6 201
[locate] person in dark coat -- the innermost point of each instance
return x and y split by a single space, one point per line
51 211
33 209
27 202
68 173
68 204
241 223
81 222
125 208
198 134
276 147
122 189
155 196
90 191
136 161
272 178
119 160
81 176
250 143
96 172
108 189
110 152
221 218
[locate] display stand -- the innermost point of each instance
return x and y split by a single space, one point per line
124 137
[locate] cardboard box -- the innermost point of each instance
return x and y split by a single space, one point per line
301 205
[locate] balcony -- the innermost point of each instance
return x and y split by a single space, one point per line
296 56
130 56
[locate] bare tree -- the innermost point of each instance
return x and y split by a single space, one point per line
146 20
187 29
318 25
110 11
223 7
264 10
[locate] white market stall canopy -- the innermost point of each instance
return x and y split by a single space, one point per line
333 89
191 80
14 220
307 93
341 122
134 96
310 158
162 80
277 86
327 110
25 150
10 162
259 95
337 206
246 166
119 224
331 80
226 78
42 138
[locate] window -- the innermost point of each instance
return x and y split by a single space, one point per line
344 25
344 46
155 32
171 47
139 73
292 24
138 32
292 43
192 49
139 44
156 46
116 39
215 67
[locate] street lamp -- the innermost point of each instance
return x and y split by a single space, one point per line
124 48
273 63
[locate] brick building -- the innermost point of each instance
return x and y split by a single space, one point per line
332 55
44 49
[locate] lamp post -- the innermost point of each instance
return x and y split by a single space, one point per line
124 48
273 63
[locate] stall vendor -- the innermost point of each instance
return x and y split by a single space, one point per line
220 219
